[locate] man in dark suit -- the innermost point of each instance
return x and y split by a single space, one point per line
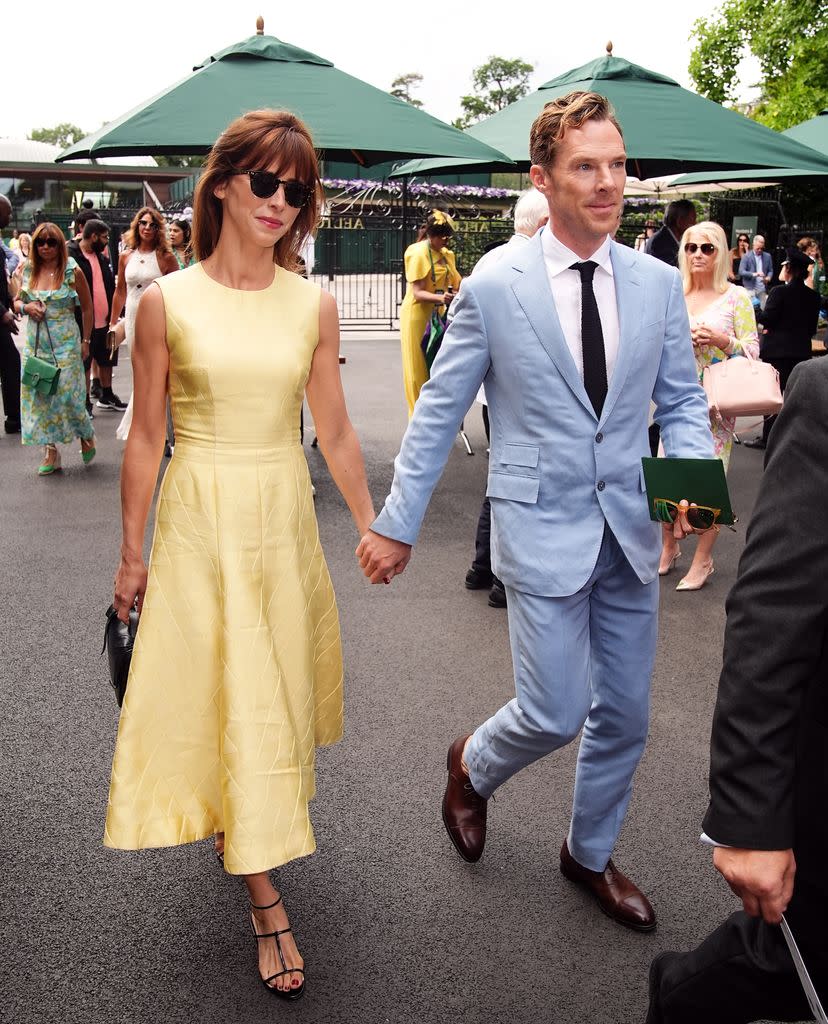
769 749
9 356
790 321
678 217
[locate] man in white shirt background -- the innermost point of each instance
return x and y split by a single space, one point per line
756 271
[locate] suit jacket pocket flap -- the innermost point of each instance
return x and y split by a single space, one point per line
520 455
513 488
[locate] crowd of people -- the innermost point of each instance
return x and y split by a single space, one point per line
78 321
580 345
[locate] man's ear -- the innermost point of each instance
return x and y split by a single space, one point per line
540 179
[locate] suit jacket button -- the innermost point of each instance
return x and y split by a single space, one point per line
599 437
601 485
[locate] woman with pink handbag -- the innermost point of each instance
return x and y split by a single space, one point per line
722 325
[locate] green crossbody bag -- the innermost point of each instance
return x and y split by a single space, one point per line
39 374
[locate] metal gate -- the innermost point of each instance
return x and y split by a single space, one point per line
359 259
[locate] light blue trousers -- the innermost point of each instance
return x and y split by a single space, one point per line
579 661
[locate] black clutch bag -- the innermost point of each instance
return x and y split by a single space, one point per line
119 640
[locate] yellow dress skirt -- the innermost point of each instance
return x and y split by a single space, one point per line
415 315
236 675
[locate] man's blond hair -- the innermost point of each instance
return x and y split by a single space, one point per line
561 114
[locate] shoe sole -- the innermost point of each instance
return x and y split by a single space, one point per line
463 854
618 920
477 586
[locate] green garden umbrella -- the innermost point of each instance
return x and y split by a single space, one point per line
813 133
349 119
756 177
667 129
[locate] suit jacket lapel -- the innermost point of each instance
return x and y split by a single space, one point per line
534 295
629 296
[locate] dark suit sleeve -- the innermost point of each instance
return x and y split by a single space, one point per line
776 623
774 308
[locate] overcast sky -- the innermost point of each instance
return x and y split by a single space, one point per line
159 41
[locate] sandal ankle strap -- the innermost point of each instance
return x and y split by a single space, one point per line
270 906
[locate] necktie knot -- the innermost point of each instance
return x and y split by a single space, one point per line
586 269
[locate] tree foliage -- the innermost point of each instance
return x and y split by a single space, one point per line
62 135
497 83
403 84
789 38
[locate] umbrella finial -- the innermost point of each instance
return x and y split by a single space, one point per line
260 26
609 48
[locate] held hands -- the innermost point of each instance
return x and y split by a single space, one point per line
381 558
130 585
762 879
701 334
35 311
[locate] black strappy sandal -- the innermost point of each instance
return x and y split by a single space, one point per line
289 994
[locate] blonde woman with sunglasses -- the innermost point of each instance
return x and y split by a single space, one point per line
722 326
147 257
50 288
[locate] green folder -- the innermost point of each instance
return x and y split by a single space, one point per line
700 481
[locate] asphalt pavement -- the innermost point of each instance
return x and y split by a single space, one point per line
394 927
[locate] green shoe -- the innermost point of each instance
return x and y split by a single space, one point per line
47 468
88 455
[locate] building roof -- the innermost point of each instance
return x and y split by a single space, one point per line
20 151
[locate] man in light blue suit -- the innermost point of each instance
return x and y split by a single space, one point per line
573 337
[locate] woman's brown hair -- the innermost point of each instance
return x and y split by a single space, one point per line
254 142
133 237
48 230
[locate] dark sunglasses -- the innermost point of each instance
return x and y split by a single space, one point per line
264 184
708 248
148 224
699 517
47 243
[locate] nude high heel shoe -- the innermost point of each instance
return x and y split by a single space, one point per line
673 560
684 585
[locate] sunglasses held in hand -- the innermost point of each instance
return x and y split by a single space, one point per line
264 184
700 517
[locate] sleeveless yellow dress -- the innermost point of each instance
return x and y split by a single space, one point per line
236 675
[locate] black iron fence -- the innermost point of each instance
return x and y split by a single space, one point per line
359 258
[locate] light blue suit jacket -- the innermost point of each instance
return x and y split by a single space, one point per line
556 473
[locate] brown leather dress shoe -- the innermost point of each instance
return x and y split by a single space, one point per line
615 894
464 810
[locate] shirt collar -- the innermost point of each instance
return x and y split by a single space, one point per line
559 257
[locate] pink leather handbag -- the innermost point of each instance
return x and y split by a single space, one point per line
742 386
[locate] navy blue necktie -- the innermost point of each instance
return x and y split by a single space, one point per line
592 339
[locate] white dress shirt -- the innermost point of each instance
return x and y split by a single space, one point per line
566 291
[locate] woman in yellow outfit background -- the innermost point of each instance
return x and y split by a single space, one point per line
432 277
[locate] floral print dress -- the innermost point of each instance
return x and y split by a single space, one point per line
733 314
62 417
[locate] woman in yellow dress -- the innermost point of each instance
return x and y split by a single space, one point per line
236 674
432 279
